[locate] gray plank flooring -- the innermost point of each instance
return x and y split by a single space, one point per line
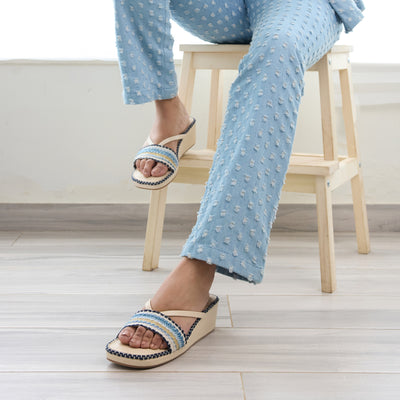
64 294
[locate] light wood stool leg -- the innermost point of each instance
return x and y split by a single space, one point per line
323 193
155 224
327 108
360 214
325 235
357 185
156 214
215 109
186 82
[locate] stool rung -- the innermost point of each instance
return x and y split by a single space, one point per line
299 163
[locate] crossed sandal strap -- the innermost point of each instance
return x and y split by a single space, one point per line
162 324
177 313
158 153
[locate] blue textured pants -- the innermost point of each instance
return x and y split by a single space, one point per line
242 193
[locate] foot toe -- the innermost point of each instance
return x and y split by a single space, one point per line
156 342
142 163
136 339
147 338
142 337
159 170
148 167
126 335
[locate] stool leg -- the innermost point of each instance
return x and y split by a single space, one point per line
155 219
327 108
215 109
155 223
186 81
325 235
323 193
357 185
360 214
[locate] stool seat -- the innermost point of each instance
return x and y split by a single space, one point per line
300 163
307 173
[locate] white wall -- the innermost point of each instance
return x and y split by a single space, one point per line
67 137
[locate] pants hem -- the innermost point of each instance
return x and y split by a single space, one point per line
228 264
147 97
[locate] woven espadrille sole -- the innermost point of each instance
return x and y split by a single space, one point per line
187 140
147 358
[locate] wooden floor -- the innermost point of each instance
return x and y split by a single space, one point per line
64 294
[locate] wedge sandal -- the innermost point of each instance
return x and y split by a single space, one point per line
160 322
163 154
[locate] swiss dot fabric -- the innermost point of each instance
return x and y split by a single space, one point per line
242 193
349 12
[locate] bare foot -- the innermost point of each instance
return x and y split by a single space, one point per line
186 288
171 119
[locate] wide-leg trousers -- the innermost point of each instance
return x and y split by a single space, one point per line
242 193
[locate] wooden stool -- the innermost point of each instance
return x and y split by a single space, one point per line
307 173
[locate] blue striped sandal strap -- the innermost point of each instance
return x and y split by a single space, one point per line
158 153
156 321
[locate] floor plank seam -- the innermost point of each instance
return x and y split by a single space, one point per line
20 234
229 309
242 382
210 371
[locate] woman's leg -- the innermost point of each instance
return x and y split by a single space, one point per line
147 69
243 190
144 42
146 62
144 47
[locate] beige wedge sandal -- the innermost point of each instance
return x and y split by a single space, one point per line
160 322
163 154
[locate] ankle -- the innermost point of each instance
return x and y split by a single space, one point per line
171 110
197 271
167 105
189 282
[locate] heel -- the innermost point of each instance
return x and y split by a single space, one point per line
188 141
205 325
